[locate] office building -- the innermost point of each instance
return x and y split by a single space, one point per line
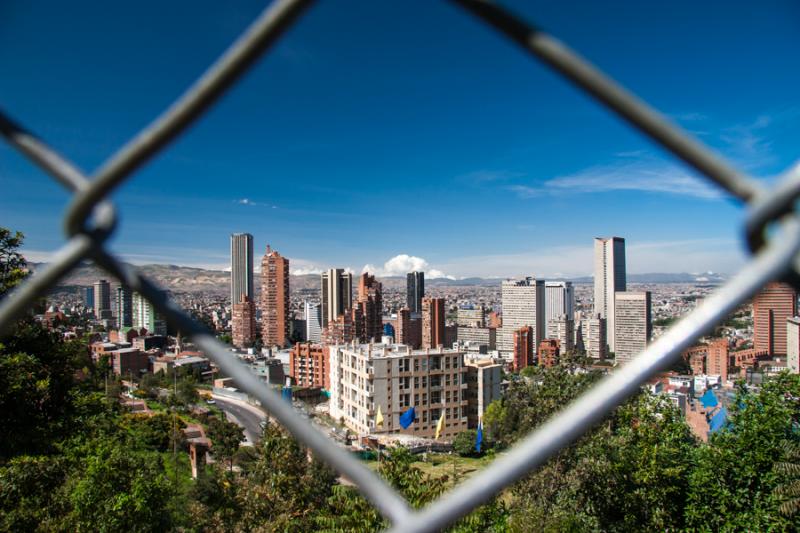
415 291
772 306
274 299
609 279
313 318
370 305
146 316
594 336
559 301
793 344
102 300
523 305
634 326
337 294
88 298
309 365
523 348
123 307
482 336
395 378
433 322
342 330
562 328
243 323
242 267
471 317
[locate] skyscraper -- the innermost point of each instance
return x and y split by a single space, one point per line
609 278
595 336
633 324
415 291
771 308
241 267
102 300
313 318
523 305
433 323
123 307
274 299
370 302
337 294
559 299
88 298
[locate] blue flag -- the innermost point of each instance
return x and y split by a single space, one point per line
479 437
407 418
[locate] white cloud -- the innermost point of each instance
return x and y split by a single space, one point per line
302 267
625 175
402 264
246 201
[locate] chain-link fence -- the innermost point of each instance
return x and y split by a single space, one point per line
91 219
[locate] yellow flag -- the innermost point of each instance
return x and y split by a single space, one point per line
439 426
379 417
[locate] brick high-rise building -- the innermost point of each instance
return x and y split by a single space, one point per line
274 299
309 365
523 348
415 291
718 359
548 352
771 308
243 323
433 332
370 303
609 278
407 329
241 267
337 294
340 331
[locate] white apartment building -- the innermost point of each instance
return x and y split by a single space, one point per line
793 344
394 377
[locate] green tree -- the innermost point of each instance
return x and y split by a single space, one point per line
13 267
733 486
464 443
789 491
120 489
225 439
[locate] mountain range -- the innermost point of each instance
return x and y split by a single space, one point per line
190 279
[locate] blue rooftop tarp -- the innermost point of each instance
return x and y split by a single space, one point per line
709 399
718 420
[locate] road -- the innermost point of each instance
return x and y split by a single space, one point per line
248 419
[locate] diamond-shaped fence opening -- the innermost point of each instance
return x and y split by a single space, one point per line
773 259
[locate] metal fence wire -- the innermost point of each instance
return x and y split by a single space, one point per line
772 231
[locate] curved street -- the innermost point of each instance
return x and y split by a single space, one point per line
245 417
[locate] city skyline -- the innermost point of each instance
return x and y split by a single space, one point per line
502 146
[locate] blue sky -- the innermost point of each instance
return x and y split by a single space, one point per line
382 129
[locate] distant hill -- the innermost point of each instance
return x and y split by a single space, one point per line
190 279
